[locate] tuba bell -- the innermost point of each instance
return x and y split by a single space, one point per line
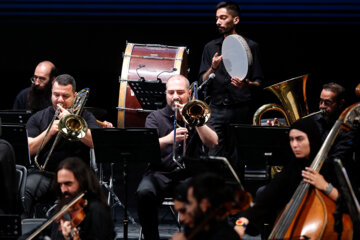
292 95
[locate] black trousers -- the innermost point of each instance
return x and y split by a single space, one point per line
150 193
38 189
222 116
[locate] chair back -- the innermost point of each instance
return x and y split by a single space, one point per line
21 174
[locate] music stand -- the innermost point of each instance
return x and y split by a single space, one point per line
14 117
16 135
10 226
150 94
217 165
123 145
259 148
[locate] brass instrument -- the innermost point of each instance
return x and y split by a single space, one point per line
72 126
292 95
195 113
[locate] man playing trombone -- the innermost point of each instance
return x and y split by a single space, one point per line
162 178
42 130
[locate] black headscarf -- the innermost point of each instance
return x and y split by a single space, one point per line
308 126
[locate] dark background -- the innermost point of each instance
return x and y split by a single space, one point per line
87 38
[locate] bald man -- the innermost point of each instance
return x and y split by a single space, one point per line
37 96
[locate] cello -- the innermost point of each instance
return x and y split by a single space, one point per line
308 215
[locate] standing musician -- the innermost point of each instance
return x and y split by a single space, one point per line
38 182
161 179
305 141
38 95
230 97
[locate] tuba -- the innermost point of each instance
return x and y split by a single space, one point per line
72 126
292 95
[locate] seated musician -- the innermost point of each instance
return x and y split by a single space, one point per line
90 217
161 179
305 142
38 182
206 195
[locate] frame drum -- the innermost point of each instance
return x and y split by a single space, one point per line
236 56
147 61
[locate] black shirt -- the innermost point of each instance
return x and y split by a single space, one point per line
163 121
40 121
20 102
220 89
97 224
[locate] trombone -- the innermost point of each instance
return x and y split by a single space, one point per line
72 126
195 113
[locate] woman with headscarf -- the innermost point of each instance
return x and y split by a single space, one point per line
305 142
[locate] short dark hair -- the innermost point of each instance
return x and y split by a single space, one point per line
232 7
66 79
212 187
336 88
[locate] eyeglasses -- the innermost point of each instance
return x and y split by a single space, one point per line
326 102
34 78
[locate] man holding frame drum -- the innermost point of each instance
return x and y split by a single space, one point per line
237 74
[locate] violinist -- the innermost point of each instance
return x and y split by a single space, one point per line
305 141
206 195
94 222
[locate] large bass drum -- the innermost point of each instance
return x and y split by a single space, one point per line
147 61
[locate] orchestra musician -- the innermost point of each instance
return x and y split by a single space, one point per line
230 97
89 217
73 177
161 179
38 95
206 195
39 182
305 141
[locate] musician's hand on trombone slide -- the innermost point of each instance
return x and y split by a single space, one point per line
181 134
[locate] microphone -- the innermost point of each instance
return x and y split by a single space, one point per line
140 66
159 79
211 76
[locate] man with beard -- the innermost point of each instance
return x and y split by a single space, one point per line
206 195
230 97
38 183
161 179
37 96
73 178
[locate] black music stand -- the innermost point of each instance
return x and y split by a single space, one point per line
150 94
16 135
14 117
10 226
259 147
123 145
217 165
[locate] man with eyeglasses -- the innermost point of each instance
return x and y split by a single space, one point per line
37 96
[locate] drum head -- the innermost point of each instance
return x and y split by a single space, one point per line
236 56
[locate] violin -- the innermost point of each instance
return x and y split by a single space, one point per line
78 201
241 201
75 214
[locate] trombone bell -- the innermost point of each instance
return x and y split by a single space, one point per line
73 127
196 113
